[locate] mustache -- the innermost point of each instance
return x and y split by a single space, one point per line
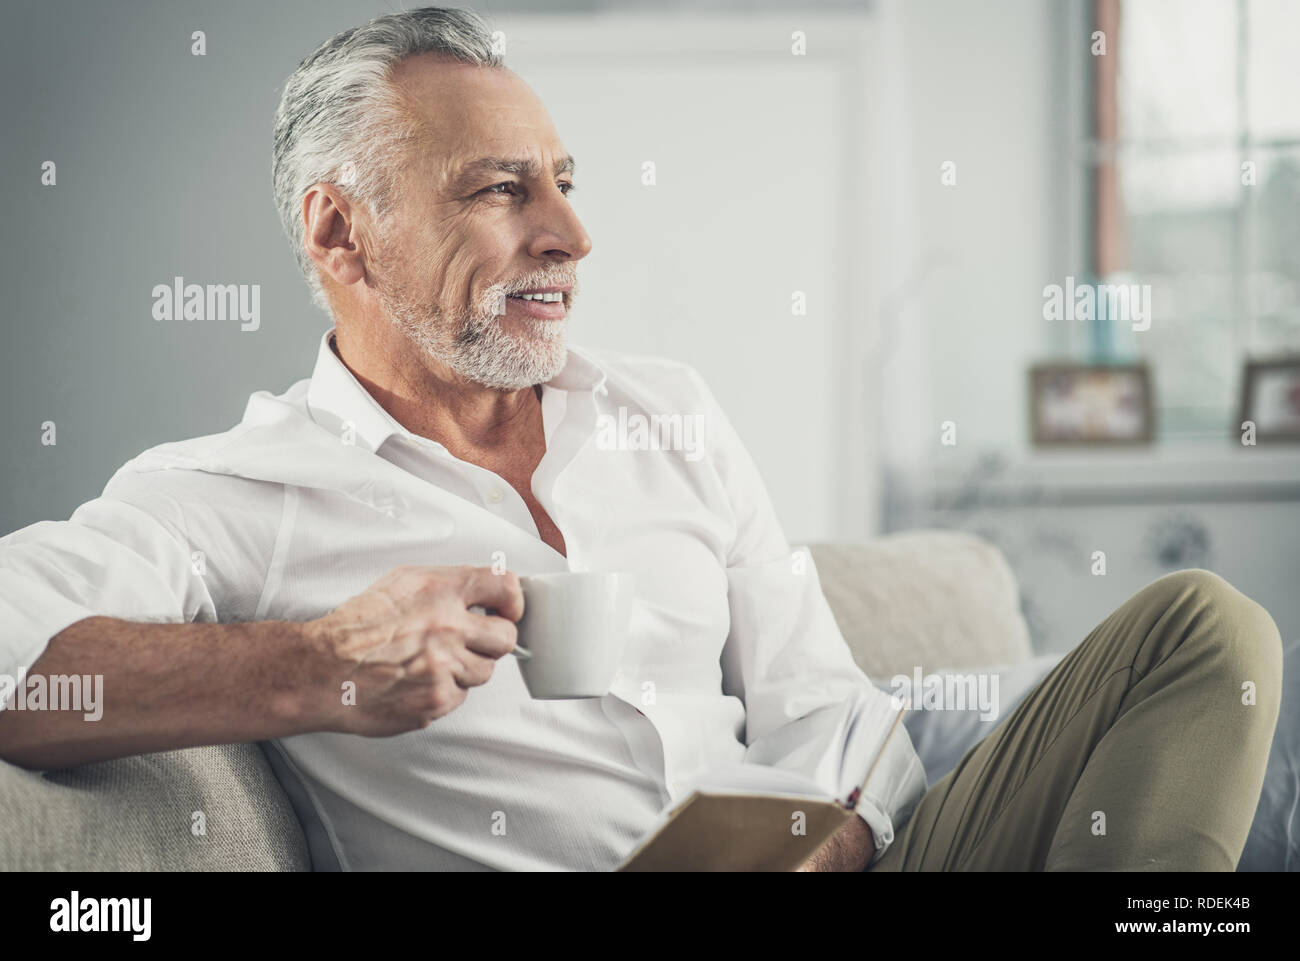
492 302
565 277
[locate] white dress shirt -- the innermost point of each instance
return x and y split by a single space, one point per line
733 654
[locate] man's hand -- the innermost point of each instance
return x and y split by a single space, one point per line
411 646
849 849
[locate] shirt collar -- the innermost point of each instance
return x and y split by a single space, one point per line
335 397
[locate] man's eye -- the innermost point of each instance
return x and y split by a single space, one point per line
510 187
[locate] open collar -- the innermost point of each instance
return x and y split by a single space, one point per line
335 397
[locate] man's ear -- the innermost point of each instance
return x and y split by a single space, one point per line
331 234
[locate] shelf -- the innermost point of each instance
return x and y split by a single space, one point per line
1159 473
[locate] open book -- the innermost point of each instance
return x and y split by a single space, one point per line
755 817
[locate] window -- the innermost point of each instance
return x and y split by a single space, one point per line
1194 162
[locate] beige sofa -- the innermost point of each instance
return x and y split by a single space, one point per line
923 597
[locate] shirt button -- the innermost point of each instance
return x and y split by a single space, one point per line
496 495
618 677
672 786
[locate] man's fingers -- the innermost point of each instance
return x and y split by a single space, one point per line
464 669
476 669
500 593
489 635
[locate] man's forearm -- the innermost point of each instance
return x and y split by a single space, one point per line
165 686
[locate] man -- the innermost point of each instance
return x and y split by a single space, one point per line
312 578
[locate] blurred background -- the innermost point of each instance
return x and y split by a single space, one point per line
868 227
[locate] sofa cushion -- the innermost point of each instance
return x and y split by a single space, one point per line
925 599
138 814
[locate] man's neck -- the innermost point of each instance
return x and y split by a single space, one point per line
434 402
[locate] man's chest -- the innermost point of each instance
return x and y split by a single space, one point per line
518 473
611 510
516 464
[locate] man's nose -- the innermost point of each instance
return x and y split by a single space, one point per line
559 233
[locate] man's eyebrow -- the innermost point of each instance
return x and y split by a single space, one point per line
525 167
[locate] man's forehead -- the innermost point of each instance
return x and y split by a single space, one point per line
477 121
446 92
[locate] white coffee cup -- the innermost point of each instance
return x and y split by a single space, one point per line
573 632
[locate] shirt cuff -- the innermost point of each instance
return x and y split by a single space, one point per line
897 785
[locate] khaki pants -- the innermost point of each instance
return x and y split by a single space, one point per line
1140 751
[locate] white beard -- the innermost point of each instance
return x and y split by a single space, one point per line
473 343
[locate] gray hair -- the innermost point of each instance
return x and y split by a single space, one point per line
341 121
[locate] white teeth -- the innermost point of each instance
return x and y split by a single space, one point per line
544 298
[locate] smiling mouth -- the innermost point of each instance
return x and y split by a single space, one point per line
542 297
548 305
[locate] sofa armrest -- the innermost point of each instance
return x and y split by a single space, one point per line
929 598
138 814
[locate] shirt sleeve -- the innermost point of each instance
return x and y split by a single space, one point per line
118 556
786 659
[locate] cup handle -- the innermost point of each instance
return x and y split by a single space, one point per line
520 652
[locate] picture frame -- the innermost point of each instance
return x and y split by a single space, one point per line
1090 405
1270 398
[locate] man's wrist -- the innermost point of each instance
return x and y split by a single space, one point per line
299 702
850 849
859 845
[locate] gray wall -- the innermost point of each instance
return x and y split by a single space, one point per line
163 166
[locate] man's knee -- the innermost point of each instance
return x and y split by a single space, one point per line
1239 627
